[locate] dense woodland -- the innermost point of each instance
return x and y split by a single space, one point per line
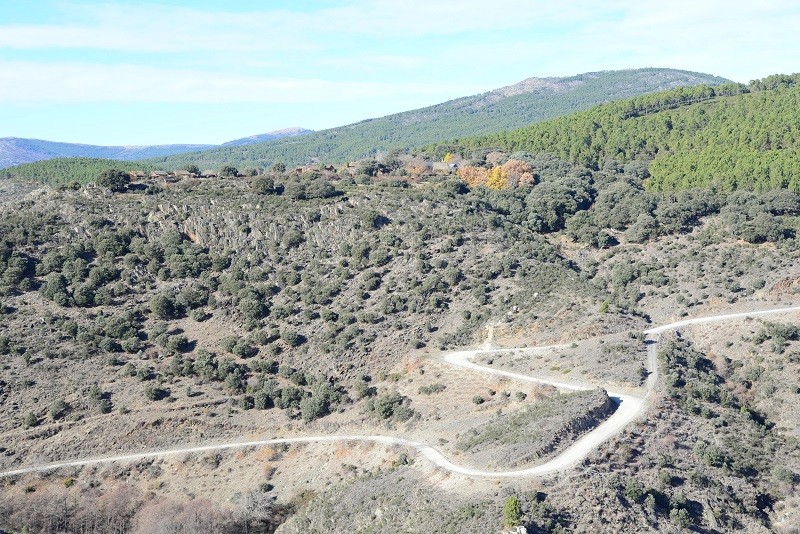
69 171
729 137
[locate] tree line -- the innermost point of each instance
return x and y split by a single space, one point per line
731 136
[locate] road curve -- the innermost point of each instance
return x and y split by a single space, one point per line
717 318
629 407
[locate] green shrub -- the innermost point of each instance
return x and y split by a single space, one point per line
512 512
292 338
155 393
433 388
312 408
59 409
246 402
262 400
132 345
164 306
31 420
229 171
115 180
391 406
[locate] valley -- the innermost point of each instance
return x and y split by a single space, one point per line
627 409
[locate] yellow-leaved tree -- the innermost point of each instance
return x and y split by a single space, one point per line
497 179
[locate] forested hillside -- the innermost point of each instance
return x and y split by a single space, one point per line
529 101
219 310
64 171
731 137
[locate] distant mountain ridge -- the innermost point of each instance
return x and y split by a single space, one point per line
507 108
17 150
277 134
730 137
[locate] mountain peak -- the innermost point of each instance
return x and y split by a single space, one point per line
531 85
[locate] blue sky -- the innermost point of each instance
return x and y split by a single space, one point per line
203 71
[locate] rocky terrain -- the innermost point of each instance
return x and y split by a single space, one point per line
235 309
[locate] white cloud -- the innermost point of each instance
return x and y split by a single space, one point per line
152 37
738 40
24 82
164 28
470 39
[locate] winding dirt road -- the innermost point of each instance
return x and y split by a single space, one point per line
629 407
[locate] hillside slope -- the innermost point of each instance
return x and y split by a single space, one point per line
732 136
224 310
234 309
217 310
531 100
